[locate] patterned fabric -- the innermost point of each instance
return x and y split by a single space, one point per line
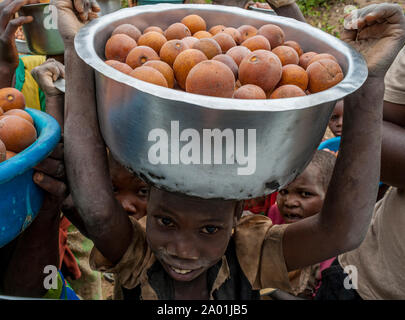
63 291
88 286
34 97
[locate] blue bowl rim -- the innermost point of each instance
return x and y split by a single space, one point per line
49 136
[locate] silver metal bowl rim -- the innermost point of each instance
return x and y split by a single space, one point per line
37 4
355 76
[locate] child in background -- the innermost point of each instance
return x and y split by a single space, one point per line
336 120
301 199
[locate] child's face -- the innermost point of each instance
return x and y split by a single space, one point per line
336 120
303 197
188 235
130 191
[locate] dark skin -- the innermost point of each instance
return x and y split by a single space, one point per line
303 197
336 120
349 202
8 27
290 11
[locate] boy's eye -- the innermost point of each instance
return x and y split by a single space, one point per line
143 192
305 194
210 229
167 222
283 192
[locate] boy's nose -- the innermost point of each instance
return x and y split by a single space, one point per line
128 206
183 248
291 201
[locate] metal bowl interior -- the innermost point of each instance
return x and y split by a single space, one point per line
20 197
42 34
288 131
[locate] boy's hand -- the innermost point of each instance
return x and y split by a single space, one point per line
8 26
46 74
73 14
50 176
376 31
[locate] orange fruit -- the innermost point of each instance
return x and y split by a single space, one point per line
139 55
17 133
217 29
246 32
177 31
323 74
164 69
152 39
11 98
184 62
202 35
194 23
10 154
234 33
287 91
296 46
227 60
20 113
120 66
149 74
153 28
209 47
305 58
118 47
171 49
128 29
256 43
238 53
296 75
273 33
322 56
249 91
287 55
225 41
262 68
211 78
189 41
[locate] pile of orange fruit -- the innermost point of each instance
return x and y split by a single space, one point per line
242 63
17 131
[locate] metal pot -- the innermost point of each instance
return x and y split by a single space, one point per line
288 131
108 6
42 34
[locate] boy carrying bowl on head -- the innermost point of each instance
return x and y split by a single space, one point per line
195 248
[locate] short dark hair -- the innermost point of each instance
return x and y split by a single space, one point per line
325 162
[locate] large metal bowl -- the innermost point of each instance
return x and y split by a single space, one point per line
288 131
42 34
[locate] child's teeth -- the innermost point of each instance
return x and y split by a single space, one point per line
181 271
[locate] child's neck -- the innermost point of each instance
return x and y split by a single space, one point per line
196 289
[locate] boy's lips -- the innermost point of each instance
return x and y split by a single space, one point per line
290 216
180 273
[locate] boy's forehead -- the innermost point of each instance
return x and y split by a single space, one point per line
179 202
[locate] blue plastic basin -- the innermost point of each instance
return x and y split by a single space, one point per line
20 197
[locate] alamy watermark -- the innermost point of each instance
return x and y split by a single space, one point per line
352 279
211 146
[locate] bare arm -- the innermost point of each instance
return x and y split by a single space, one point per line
104 219
86 162
348 206
393 145
8 27
290 11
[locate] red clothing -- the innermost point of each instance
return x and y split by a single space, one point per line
65 254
